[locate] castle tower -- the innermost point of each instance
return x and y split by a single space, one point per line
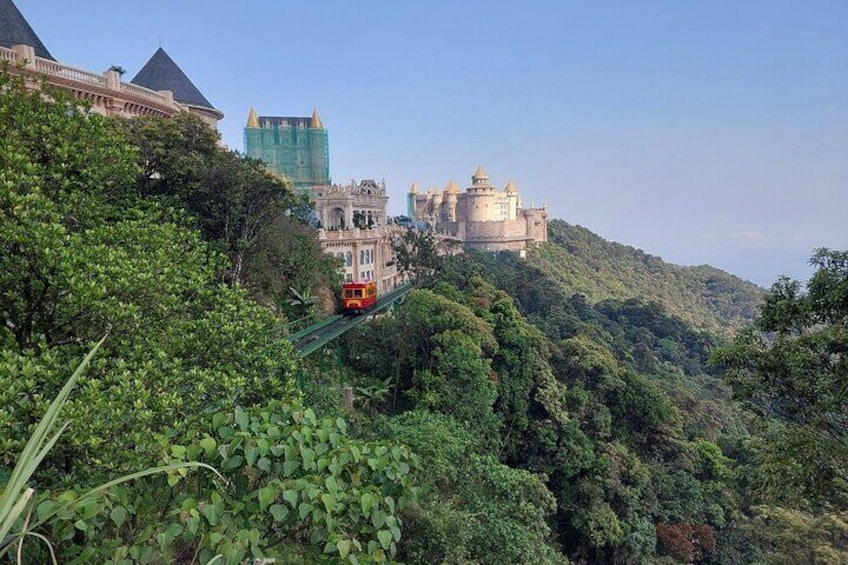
451 195
295 147
480 197
512 200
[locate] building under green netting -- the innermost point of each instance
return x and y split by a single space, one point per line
296 147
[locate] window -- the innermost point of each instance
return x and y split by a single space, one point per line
348 293
348 259
358 293
348 277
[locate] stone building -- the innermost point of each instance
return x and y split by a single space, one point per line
295 147
360 205
354 228
159 89
482 217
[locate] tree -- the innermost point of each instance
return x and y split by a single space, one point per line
62 172
81 253
234 199
791 369
416 254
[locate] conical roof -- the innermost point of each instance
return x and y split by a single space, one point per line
315 121
252 119
452 188
162 73
510 187
480 173
15 30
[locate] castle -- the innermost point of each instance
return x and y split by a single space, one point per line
159 89
482 217
295 147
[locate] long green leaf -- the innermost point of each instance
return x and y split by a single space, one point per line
24 468
124 479
9 519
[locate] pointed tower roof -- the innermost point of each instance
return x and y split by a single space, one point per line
510 187
452 188
315 122
162 73
413 189
15 30
480 174
252 119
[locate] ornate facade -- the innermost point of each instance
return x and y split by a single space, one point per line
482 217
159 89
354 228
360 205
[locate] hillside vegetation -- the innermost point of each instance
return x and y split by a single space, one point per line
581 262
559 410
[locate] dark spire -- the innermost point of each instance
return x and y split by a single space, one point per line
162 73
15 30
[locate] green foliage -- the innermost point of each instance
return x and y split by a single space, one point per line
240 207
416 254
576 261
61 173
791 370
295 484
17 500
615 414
791 536
81 254
473 509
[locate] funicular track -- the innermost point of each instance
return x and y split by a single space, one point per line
318 335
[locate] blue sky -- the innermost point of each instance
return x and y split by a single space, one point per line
703 132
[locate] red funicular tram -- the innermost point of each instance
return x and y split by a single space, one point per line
358 297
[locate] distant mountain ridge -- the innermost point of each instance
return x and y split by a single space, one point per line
582 262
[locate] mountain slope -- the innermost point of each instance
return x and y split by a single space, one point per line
581 262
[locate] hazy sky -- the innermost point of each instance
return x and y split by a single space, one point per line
703 132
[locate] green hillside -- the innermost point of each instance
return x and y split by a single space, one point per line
581 262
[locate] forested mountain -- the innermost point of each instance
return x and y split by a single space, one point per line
568 408
581 262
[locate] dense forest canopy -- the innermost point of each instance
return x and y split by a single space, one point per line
591 404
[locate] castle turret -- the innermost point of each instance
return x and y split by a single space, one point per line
480 198
512 200
451 195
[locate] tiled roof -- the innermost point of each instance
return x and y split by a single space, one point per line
15 30
162 73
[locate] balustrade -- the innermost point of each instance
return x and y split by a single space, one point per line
70 73
8 55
